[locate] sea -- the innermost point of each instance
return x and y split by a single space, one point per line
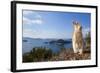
29 43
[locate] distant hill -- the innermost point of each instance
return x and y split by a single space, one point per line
27 39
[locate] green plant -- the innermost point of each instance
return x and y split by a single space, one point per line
38 54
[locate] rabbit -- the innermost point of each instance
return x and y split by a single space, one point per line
77 38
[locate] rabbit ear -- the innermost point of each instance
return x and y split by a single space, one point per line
74 22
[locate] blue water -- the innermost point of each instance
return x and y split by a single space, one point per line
29 43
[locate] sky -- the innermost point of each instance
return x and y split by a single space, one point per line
52 24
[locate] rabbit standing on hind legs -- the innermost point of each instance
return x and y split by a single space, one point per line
77 39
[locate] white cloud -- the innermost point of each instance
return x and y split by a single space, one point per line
27 32
32 21
32 33
85 31
27 12
43 34
37 19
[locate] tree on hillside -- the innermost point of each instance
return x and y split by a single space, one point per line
88 39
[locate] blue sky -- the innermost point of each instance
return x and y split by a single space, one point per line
50 24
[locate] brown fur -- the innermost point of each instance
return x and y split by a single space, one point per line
77 38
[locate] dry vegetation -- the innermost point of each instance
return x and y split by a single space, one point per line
69 55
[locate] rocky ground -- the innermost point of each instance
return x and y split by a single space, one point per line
69 55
